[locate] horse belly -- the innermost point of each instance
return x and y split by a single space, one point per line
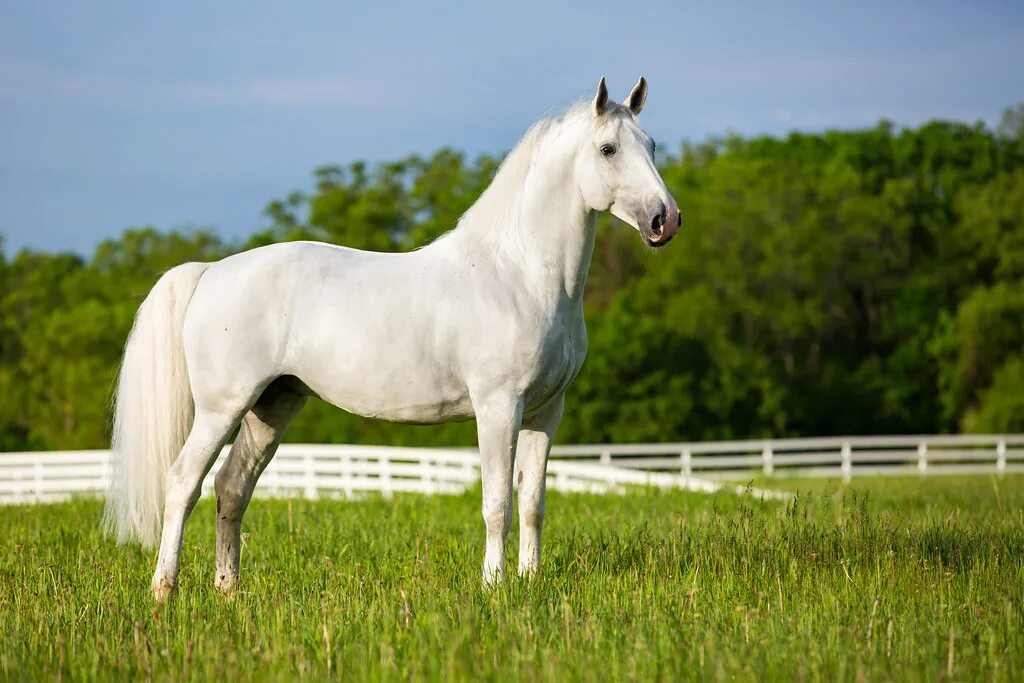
395 402
386 377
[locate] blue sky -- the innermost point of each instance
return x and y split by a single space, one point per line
118 114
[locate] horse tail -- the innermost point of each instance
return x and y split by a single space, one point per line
153 409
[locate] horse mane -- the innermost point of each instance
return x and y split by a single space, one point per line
497 208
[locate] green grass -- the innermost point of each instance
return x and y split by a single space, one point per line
873 581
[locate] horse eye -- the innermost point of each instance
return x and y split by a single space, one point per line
607 150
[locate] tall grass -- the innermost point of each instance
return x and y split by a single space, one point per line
887 579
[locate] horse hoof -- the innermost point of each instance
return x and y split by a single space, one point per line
225 583
492 579
528 571
163 590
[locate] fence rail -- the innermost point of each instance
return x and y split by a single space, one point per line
840 457
340 470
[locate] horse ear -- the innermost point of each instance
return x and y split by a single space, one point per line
638 96
601 99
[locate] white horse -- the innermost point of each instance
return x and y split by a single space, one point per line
485 322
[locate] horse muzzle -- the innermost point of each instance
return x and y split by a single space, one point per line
663 225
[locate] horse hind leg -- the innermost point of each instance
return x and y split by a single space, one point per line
257 442
210 430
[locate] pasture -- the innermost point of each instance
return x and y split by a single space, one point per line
899 579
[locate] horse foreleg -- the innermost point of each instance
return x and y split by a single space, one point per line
498 421
532 462
257 442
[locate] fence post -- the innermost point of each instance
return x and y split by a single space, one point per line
310 475
385 476
428 473
37 470
766 457
686 463
345 460
846 461
606 457
106 474
922 457
1001 457
473 468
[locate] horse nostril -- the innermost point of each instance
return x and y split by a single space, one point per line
679 220
656 224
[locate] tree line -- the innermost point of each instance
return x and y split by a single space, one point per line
843 282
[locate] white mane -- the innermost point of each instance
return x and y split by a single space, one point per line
497 207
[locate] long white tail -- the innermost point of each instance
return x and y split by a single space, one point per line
153 411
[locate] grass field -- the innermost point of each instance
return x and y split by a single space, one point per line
886 579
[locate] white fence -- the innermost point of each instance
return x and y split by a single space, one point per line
839 457
338 470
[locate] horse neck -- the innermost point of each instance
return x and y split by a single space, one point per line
538 229
557 232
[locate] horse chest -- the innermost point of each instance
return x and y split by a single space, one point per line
560 356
